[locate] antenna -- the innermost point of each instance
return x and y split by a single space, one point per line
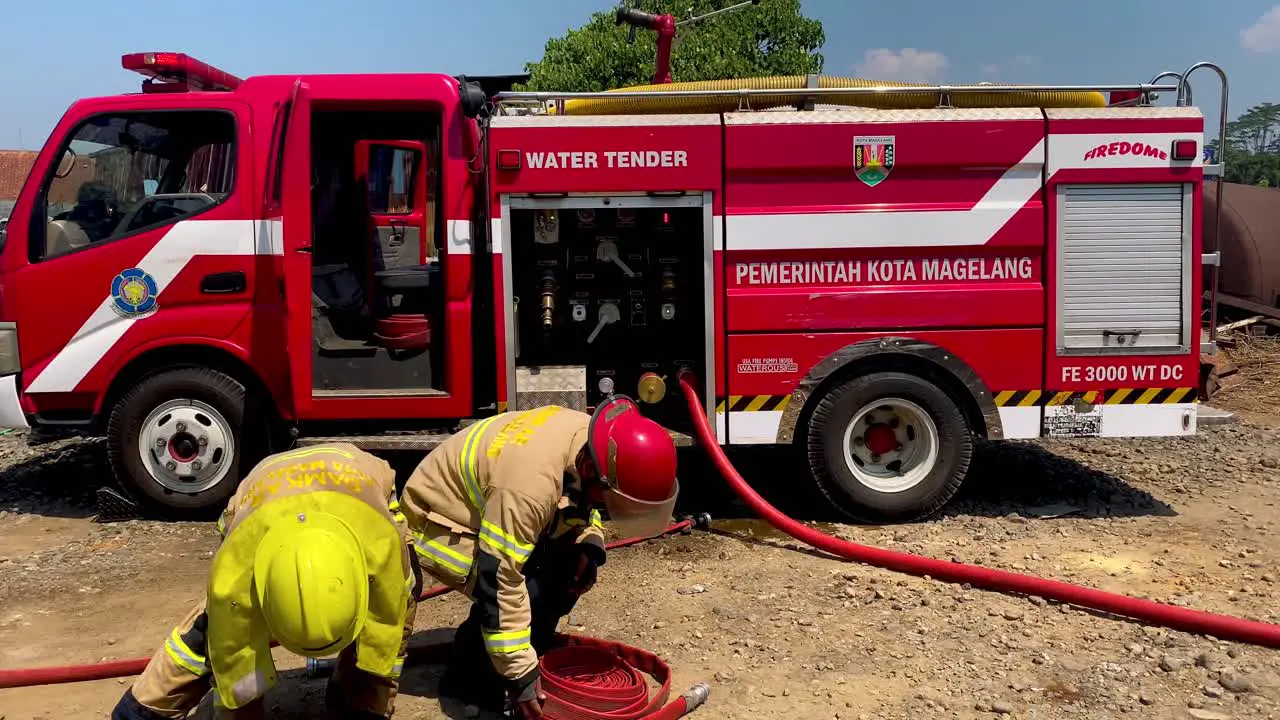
713 13
665 26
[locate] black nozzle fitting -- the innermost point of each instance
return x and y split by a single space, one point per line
701 521
635 18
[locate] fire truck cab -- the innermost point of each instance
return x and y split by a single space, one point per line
215 268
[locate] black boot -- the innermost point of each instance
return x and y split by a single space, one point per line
469 677
128 708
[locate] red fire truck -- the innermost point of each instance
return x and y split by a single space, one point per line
877 275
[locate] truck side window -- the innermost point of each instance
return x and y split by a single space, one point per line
123 173
392 172
394 176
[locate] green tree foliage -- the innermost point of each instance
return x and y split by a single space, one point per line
1253 147
772 38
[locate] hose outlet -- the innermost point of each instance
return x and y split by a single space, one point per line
695 696
652 388
548 299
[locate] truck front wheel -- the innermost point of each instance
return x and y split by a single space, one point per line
888 447
177 441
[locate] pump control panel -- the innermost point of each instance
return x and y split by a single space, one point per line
620 291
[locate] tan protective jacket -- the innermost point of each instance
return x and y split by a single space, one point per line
479 503
338 479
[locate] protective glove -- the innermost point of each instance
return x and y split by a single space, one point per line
583 569
527 696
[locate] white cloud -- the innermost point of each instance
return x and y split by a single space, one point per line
1264 35
995 70
906 65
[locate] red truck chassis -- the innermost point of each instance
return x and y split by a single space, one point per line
215 268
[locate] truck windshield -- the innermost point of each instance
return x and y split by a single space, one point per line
122 173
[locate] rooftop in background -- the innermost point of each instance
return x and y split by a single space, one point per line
14 167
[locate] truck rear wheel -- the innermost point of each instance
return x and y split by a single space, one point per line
888 447
177 441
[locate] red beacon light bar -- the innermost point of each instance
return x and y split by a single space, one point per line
178 72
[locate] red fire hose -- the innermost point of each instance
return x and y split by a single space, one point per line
1194 621
591 679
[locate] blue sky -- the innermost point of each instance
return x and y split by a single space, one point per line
54 51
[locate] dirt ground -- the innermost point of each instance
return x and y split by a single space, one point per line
778 632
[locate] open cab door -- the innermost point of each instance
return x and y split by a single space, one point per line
295 193
369 315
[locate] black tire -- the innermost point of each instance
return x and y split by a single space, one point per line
825 449
221 392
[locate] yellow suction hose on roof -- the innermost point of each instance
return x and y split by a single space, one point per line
763 101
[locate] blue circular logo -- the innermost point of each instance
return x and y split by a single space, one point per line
133 292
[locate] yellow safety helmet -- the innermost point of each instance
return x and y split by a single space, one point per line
311 583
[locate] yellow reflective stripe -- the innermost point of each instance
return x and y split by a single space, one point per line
496 538
507 642
469 462
311 451
442 554
505 536
184 656
595 518
398 667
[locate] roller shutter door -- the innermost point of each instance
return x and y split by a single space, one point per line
1123 252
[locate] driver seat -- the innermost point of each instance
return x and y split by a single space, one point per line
63 236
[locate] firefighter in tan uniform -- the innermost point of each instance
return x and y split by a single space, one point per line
505 511
315 556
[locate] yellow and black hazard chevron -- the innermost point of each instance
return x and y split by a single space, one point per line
753 403
1120 396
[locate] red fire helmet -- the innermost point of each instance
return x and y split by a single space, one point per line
637 460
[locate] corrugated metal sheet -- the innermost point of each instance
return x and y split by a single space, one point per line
1250 240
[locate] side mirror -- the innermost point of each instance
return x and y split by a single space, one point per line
472 97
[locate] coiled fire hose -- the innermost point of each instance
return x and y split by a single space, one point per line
1193 621
584 678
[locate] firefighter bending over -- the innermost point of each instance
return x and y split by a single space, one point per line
315 556
505 511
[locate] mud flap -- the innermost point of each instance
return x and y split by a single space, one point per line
115 506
